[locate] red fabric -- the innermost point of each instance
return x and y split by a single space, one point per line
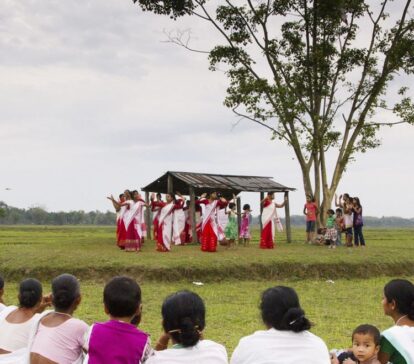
185 235
266 239
121 234
132 239
208 239
310 211
160 243
155 222
267 202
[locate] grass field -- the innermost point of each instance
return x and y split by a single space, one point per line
90 252
233 279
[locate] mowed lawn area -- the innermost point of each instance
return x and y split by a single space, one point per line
232 306
90 252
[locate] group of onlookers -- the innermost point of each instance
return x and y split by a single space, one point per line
31 334
346 219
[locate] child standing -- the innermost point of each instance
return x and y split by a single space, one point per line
118 340
231 228
358 222
365 347
310 210
339 226
246 219
331 234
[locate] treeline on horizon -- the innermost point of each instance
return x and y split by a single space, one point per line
38 216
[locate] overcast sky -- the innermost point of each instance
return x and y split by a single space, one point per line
93 102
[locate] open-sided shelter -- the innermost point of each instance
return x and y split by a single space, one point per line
194 184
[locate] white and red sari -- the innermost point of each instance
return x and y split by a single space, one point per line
120 227
155 216
209 226
178 221
131 220
269 221
165 225
222 221
186 235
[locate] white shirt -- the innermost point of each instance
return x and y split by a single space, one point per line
2 307
204 352
281 347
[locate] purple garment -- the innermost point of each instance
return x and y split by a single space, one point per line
116 342
245 226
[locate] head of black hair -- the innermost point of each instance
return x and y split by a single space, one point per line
281 310
30 293
232 205
346 196
159 197
122 296
183 316
401 291
65 291
368 330
270 193
338 210
358 202
1 282
246 206
331 212
122 195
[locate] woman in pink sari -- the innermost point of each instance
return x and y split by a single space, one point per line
269 220
209 228
165 221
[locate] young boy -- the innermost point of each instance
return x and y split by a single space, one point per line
365 346
2 305
331 235
310 210
118 340
339 225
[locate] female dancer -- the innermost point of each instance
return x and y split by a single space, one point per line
165 219
156 214
269 220
209 229
121 207
178 220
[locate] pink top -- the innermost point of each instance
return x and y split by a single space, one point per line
310 211
61 344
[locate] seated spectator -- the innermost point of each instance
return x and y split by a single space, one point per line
118 340
18 323
60 337
365 347
183 316
287 339
397 342
2 305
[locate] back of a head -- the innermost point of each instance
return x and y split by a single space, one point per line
122 296
1 283
281 310
402 292
30 293
184 317
65 290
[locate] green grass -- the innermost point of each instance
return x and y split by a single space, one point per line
90 252
232 307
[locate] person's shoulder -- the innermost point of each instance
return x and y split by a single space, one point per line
316 339
211 344
78 324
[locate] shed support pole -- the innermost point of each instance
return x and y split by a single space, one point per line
148 216
261 210
238 206
170 187
287 219
193 215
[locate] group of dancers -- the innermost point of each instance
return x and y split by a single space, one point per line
215 221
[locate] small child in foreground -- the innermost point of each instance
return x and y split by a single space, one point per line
119 340
365 347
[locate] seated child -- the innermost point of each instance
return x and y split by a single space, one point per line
330 235
365 347
2 305
118 340
320 236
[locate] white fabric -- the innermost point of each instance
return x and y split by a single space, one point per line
15 336
222 221
165 220
178 225
209 214
281 347
2 307
402 338
269 216
22 356
205 352
138 209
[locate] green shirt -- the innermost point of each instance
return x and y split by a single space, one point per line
387 348
330 222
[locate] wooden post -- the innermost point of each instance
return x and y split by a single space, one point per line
238 206
148 216
193 215
287 219
261 210
170 186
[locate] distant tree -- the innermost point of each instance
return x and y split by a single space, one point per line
315 73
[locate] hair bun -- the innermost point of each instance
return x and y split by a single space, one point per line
295 320
189 332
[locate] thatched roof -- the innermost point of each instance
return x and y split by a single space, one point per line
204 182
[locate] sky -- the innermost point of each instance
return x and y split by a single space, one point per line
93 101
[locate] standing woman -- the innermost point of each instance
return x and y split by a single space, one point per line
132 228
165 221
155 213
120 210
397 342
358 222
209 226
178 220
269 220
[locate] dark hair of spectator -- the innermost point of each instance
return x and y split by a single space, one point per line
368 330
1 282
401 291
65 291
246 207
183 316
122 296
281 310
30 293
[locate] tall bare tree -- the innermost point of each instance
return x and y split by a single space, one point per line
316 73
